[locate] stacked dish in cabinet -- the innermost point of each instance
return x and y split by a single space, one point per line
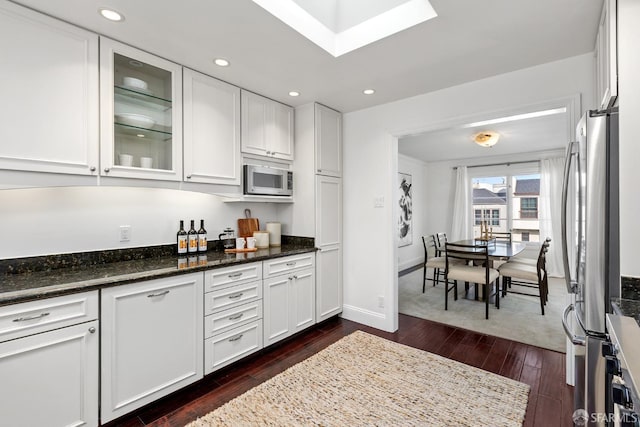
233 314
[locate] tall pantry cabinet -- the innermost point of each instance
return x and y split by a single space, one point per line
317 210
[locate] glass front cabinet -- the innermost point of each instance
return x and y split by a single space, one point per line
141 114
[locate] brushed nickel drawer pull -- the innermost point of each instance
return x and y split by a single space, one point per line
236 317
236 338
233 276
235 296
159 294
291 264
37 316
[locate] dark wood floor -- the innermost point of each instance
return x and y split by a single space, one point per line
550 400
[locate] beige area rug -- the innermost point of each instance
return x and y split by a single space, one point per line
364 380
519 318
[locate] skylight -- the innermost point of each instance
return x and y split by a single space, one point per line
341 26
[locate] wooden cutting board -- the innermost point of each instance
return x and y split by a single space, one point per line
246 226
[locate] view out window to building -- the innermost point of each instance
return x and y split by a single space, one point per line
508 203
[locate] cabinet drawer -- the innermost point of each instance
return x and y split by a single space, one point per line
224 277
288 264
228 347
228 319
39 316
223 299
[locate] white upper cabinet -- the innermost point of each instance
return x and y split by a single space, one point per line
267 127
49 87
606 56
141 114
211 130
328 141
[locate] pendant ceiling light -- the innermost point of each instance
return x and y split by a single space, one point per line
486 139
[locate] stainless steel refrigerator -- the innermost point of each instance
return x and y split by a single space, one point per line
591 249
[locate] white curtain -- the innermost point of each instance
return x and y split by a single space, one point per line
551 176
461 227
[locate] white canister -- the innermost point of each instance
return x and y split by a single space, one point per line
262 239
274 229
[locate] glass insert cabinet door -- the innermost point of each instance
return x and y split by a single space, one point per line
141 115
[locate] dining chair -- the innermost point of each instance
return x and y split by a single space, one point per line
481 274
527 276
502 236
441 240
432 260
523 259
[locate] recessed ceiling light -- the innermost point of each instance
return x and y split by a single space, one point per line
140 135
111 15
220 62
294 93
368 91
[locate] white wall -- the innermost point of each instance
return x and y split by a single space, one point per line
42 221
629 103
370 167
413 254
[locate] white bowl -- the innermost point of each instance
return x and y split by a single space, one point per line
135 83
138 120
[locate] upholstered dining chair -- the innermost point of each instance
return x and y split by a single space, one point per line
432 260
481 274
502 236
522 259
441 240
527 276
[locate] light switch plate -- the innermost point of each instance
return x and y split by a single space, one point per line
125 233
378 202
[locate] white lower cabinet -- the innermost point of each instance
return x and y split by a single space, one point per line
233 314
152 341
50 378
289 299
329 282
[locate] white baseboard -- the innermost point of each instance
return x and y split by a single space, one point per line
410 263
366 317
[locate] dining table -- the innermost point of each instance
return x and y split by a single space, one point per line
496 250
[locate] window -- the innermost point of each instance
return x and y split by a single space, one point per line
528 207
508 203
491 216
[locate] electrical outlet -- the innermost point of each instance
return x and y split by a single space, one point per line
381 302
125 233
378 202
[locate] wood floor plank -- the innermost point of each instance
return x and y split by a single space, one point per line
542 369
548 412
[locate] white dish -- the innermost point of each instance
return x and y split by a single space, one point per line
135 83
138 120
137 89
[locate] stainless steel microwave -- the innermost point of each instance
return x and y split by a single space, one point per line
267 181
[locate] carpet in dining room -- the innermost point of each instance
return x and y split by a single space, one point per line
367 380
518 319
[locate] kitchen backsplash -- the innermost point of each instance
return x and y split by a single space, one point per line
630 287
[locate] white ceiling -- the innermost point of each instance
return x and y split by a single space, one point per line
516 137
468 40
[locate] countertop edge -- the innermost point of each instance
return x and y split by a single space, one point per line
34 294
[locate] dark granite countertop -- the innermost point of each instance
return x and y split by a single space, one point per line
627 307
33 285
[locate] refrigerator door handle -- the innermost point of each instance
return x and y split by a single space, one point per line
571 285
575 339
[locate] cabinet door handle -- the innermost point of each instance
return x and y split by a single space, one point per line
37 316
236 317
295 277
106 170
235 338
92 168
159 294
291 264
235 296
188 176
233 276
92 330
